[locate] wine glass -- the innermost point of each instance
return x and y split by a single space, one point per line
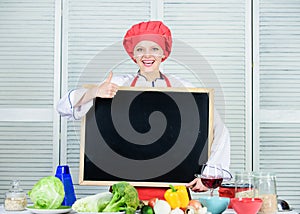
211 176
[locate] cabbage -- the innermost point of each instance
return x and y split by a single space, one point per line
93 203
47 193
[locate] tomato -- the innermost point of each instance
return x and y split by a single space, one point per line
195 203
152 202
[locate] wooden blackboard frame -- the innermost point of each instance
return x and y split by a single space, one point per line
100 182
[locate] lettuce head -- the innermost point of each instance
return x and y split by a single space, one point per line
47 193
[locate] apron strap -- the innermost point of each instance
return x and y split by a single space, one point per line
167 80
134 81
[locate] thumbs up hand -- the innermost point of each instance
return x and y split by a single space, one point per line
107 89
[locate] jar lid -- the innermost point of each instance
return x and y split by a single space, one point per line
15 190
15 186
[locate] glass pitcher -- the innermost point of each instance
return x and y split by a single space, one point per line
265 183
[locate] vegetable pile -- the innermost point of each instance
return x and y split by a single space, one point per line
47 193
124 197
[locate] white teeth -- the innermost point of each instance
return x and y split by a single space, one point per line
148 61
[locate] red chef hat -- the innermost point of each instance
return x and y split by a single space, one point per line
154 31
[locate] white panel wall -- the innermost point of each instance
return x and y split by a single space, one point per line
277 86
28 122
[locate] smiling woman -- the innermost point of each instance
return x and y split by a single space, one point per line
148 44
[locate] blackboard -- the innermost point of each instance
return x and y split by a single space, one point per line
146 136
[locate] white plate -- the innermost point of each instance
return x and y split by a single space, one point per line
49 211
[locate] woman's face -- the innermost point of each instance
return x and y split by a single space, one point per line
148 56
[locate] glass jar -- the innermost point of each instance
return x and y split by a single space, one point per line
15 198
266 190
244 185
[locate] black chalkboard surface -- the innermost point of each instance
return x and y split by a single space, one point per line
146 136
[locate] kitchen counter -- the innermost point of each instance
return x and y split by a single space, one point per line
228 211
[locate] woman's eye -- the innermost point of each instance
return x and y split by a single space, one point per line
155 49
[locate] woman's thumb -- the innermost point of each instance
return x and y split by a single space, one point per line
108 79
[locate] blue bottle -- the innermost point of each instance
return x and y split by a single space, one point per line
63 173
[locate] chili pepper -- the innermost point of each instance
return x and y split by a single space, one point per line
177 197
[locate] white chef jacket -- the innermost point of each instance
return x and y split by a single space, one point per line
220 150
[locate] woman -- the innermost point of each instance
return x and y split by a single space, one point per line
148 44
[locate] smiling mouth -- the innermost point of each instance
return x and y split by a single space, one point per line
148 62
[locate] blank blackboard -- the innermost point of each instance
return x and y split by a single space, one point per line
146 136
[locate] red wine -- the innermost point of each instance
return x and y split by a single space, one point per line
212 182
